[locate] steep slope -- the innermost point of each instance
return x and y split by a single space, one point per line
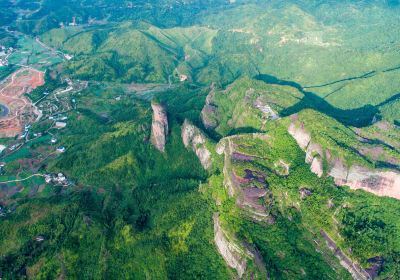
266 179
121 53
159 126
128 204
194 139
305 42
246 105
336 151
270 150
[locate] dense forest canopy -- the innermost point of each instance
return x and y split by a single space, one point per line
197 139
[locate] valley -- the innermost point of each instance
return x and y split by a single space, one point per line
199 139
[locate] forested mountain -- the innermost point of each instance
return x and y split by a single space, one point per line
199 139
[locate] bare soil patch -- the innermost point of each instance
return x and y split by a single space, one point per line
21 109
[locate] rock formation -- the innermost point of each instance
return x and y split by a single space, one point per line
378 182
209 111
304 193
355 270
381 183
282 168
314 154
301 136
244 188
233 253
194 139
159 127
266 109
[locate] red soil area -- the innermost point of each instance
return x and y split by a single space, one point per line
21 110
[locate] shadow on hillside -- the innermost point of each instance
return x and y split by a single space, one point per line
359 117
243 130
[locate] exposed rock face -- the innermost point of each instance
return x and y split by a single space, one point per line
378 182
244 188
338 171
355 270
159 127
313 151
209 111
302 137
317 166
304 193
220 149
233 253
193 138
225 147
265 109
282 168
252 195
381 183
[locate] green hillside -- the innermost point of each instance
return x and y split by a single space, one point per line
200 139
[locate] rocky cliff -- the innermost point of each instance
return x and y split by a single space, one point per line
248 189
194 139
233 253
376 181
159 127
353 268
209 112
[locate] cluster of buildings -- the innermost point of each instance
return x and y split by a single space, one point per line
68 56
59 121
4 212
72 23
4 54
26 131
183 78
60 149
56 179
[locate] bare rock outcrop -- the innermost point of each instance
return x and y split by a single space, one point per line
225 147
314 151
234 254
301 136
209 113
378 182
282 168
248 189
317 166
304 193
355 269
159 127
381 183
266 109
193 138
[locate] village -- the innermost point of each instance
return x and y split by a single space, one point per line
51 118
52 110
5 54
32 119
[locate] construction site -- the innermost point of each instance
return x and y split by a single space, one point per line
17 109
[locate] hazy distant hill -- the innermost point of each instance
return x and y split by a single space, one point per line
201 140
